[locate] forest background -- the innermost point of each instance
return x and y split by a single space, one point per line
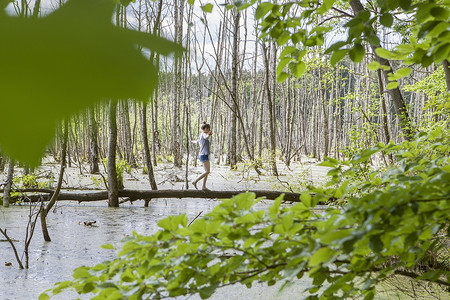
261 114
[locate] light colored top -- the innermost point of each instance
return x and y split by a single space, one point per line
203 142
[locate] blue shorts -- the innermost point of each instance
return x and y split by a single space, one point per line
203 158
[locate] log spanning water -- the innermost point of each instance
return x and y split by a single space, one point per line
147 195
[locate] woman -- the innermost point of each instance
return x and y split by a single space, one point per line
203 141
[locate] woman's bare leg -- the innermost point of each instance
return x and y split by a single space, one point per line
207 167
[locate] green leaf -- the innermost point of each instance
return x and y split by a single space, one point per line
44 296
440 13
282 77
335 46
282 63
405 4
392 85
327 5
386 19
107 246
423 13
375 243
191 2
207 291
263 9
207 7
298 69
306 199
357 53
320 256
438 29
403 72
275 208
338 56
442 52
383 53
374 65
81 272
66 66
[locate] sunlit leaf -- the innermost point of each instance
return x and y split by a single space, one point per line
320 256
107 246
207 7
392 85
403 72
383 53
374 65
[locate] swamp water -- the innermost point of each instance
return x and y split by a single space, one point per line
74 244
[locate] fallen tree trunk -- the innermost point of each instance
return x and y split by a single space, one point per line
147 195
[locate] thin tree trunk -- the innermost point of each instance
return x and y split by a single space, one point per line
93 141
128 143
44 211
8 186
271 116
36 8
148 162
113 184
234 92
176 134
446 66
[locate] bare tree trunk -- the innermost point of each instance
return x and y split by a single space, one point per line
2 162
128 143
271 116
148 162
234 92
8 186
176 129
93 141
446 66
113 185
383 107
36 8
44 211
324 113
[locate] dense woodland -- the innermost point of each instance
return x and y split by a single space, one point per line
369 98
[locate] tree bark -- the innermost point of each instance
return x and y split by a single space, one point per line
36 8
128 141
133 195
272 157
446 66
44 211
9 181
176 128
148 159
93 142
113 185
234 92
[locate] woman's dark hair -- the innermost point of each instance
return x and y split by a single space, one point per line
205 126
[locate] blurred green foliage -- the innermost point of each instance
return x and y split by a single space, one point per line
55 66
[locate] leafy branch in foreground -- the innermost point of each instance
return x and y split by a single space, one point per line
387 225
